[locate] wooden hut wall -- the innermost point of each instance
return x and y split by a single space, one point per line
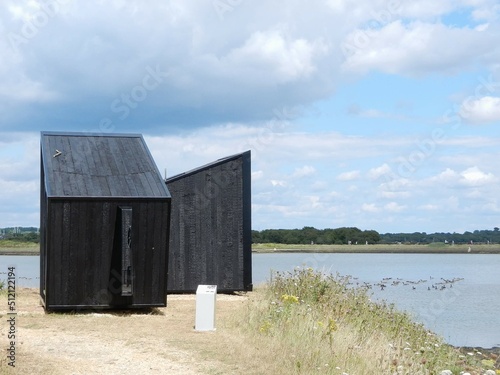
210 232
84 264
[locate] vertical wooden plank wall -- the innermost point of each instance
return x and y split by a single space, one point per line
210 231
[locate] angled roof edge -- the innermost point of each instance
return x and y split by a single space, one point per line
92 134
245 154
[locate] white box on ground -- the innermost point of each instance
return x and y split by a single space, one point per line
205 307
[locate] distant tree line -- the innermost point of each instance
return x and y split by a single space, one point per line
20 234
310 235
353 235
478 236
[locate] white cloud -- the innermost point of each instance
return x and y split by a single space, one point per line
271 52
387 194
279 183
383 170
257 175
488 10
475 177
482 110
370 207
261 56
349 176
425 9
428 207
394 207
304 171
416 48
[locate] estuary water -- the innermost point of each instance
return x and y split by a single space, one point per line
455 295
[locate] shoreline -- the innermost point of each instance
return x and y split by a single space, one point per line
347 249
379 249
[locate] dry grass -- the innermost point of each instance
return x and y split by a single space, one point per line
300 324
18 248
318 325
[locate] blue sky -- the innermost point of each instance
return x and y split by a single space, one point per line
379 114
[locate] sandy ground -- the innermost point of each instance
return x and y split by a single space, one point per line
158 341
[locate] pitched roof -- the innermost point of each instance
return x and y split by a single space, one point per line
99 165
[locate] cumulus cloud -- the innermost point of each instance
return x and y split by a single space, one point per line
86 56
415 48
475 177
377 172
481 110
285 60
84 64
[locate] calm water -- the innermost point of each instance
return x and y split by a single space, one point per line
27 269
465 313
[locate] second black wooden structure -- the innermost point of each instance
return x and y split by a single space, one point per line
210 233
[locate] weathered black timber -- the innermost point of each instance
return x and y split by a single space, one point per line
104 223
210 233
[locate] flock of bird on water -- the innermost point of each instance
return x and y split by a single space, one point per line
389 281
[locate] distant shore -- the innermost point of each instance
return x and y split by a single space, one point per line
436 248
19 249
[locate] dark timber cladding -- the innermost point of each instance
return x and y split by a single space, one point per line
104 222
210 233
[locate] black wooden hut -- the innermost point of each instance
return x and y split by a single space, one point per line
210 233
104 223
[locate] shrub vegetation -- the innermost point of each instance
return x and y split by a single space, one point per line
315 323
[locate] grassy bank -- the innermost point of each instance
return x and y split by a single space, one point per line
29 248
308 323
8 247
379 248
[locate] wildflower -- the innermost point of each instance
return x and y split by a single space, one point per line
290 299
332 325
264 328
